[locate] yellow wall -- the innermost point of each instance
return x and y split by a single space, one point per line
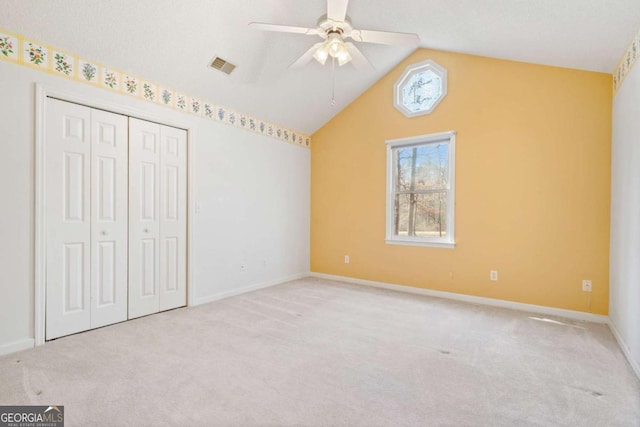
532 184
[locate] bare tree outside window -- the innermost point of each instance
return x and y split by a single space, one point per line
421 190
421 185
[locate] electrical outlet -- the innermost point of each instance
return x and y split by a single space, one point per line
347 260
586 285
493 275
198 208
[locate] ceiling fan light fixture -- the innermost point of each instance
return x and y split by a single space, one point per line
322 54
335 45
344 57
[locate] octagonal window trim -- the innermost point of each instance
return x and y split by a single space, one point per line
407 74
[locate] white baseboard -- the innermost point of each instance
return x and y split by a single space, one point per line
250 288
16 346
625 348
549 311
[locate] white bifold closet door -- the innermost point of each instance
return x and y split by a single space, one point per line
157 217
86 218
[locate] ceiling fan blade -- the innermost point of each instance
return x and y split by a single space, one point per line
283 28
385 37
337 9
306 57
359 61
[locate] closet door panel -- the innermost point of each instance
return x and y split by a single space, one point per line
109 219
68 218
116 215
144 218
173 218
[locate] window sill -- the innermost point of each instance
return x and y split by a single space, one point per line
446 245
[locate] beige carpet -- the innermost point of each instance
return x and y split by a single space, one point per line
318 353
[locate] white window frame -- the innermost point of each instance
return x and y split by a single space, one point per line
394 144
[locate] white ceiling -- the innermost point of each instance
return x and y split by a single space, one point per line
171 42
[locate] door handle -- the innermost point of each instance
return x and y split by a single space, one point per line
104 232
146 230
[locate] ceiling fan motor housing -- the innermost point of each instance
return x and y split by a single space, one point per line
327 26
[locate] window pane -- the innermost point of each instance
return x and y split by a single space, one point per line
421 215
422 168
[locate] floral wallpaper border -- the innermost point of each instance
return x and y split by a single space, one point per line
30 53
627 62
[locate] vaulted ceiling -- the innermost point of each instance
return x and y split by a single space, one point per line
171 42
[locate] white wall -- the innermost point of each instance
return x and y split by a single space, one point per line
624 309
253 193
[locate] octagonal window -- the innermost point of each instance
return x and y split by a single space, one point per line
420 88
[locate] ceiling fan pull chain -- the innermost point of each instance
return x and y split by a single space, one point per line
333 82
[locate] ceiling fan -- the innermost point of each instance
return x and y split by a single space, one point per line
334 28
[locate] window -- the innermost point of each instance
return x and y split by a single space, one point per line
420 190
